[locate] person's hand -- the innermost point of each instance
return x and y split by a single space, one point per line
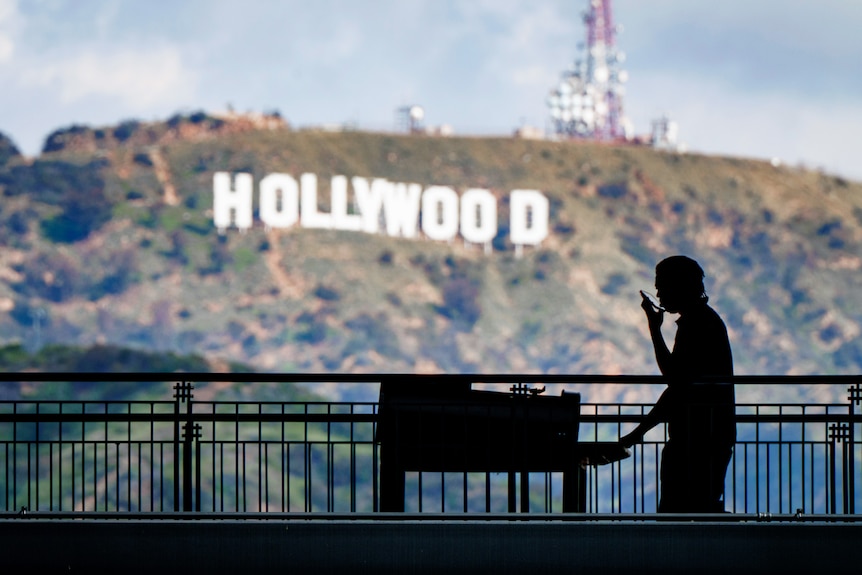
631 438
655 317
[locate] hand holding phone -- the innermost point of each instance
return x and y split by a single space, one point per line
652 301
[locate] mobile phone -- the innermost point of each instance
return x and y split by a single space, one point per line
652 300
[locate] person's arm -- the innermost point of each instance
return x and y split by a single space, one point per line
655 317
655 416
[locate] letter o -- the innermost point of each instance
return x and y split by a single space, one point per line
440 213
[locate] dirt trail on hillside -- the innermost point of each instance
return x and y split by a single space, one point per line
169 192
287 286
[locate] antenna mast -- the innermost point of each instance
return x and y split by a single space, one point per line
588 102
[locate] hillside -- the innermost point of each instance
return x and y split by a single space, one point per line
111 359
116 244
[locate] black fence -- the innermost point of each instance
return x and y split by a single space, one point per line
799 450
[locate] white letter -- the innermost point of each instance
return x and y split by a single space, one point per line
311 218
237 200
341 220
440 213
528 217
478 216
370 200
271 187
401 209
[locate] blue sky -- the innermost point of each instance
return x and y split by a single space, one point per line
759 78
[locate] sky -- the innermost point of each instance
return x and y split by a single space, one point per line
752 78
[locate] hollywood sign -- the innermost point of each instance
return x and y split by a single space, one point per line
406 209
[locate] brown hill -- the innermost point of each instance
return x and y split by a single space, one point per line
116 244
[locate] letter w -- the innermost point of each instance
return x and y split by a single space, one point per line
401 209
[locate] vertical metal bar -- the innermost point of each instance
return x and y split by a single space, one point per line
641 450
266 476
140 498
152 457
107 468
845 489
745 475
129 458
59 460
29 478
162 471
780 458
757 457
7 484
375 461
307 463
790 477
283 463
187 453
811 507
236 460
657 472
244 480
36 506
851 448
51 476
177 465
330 476
614 486
96 473
618 466
352 460
197 438
215 478
74 475
547 498
768 478
832 479
14 458
802 457
187 465
259 456
117 463
84 459
287 473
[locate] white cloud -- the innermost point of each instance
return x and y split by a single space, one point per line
714 118
735 86
6 48
138 78
8 10
8 17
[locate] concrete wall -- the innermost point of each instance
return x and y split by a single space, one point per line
346 547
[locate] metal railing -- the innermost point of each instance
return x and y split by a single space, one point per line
187 453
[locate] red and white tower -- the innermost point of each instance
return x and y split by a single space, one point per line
588 102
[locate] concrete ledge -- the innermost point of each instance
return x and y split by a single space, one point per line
500 547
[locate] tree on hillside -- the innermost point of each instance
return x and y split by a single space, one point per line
8 149
84 210
57 140
79 190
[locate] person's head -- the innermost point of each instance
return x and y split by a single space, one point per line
679 283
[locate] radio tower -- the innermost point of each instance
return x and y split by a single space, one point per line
588 102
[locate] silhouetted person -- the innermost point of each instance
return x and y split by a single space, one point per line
700 414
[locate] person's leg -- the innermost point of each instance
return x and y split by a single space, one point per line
674 484
720 461
707 468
